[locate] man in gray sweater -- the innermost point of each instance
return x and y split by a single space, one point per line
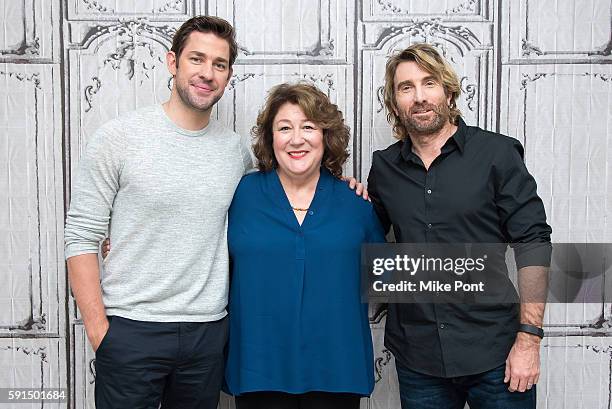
165 176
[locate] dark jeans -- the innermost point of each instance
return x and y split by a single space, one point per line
486 390
310 400
142 364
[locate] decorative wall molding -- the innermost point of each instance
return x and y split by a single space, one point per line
33 363
40 352
90 91
129 30
524 47
528 79
34 78
35 43
101 10
176 5
40 267
83 369
469 89
139 51
430 31
330 24
458 10
380 363
465 7
589 359
95 6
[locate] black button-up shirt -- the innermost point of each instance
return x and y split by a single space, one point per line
477 190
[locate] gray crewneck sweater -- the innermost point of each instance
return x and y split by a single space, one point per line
165 192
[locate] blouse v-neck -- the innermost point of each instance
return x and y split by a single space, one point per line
321 191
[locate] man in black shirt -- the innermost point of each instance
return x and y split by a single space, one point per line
446 182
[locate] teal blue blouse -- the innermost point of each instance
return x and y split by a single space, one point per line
297 323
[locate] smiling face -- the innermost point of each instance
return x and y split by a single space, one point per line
422 103
202 71
297 142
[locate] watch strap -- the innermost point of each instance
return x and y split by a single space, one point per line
531 329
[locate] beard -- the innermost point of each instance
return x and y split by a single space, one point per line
195 103
425 126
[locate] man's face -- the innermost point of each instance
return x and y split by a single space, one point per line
202 71
421 101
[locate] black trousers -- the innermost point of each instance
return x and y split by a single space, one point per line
142 364
310 400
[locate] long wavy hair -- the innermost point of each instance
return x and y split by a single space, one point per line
430 60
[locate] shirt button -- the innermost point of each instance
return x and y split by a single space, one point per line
428 191
311 212
429 225
441 326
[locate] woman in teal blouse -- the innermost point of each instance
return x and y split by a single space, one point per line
299 333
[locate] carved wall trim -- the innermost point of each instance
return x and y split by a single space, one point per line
528 79
36 320
391 10
321 51
431 31
100 10
532 52
130 36
29 47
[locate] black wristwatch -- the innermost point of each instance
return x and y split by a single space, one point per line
531 329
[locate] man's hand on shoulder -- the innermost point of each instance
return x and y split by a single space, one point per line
358 187
106 247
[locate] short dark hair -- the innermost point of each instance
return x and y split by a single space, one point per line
205 24
317 108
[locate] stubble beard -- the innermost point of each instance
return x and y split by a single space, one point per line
415 126
192 102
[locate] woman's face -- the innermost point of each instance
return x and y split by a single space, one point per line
297 142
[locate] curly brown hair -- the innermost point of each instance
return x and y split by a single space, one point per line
317 108
430 60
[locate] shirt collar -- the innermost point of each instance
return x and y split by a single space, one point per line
458 140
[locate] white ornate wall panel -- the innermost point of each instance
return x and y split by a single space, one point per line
386 388
576 373
33 363
564 122
406 10
307 31
533 69
32 296
30 30
540 32
112 9
83 369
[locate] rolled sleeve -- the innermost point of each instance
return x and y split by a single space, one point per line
521 210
